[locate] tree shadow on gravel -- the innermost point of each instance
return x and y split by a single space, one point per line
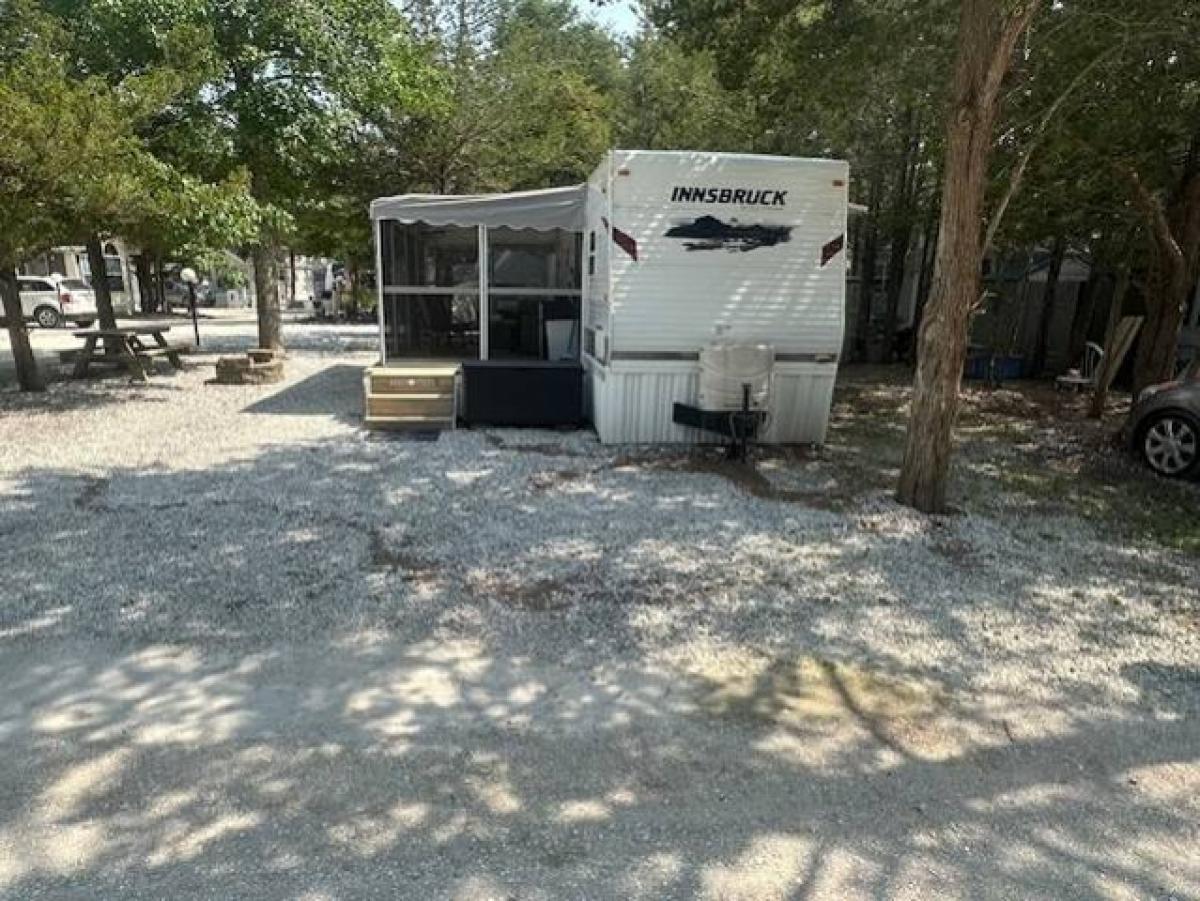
66 395
432 769
314 672
335 391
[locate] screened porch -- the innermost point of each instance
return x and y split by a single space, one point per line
483 277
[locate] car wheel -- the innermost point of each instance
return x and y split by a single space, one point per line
47 317
1171 444
84 323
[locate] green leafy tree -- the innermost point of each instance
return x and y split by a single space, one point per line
183 218
32 164
286 80
1140 131
852 79
1104 145
72 163
988 33
530 99
673 100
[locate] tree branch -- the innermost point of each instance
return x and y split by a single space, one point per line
1155 216
1018 174
1010 33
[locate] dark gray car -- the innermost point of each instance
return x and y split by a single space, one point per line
1164 426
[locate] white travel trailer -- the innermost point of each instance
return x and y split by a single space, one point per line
607 301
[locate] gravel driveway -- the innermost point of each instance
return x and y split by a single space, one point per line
248 650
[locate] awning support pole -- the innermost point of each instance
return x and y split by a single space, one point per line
379 290
484 303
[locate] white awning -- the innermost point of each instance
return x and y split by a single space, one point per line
544 210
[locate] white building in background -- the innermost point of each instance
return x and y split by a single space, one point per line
312 276
72 262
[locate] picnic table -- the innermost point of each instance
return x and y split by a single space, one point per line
125 347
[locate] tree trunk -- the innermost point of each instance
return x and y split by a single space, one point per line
901 231
291 277
1174 231
29 377
894 283
266 292
1049 296
351 292
1115 307
1081 319
986 40
869 236
160 288
1158 343
929 243
265 251
104 307
146 292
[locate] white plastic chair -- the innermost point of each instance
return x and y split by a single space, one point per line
1083 378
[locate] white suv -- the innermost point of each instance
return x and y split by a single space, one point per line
50 300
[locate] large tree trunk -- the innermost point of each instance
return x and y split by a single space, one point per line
265 252
986 40
104 307
1158 343
1174 232
266 292
29 377
1049 296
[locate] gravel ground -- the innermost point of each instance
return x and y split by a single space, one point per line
251 650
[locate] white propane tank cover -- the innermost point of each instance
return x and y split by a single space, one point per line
726 366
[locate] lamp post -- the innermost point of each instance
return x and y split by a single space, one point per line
188 276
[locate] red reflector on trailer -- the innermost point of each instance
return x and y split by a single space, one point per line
832 249
839 183
624 172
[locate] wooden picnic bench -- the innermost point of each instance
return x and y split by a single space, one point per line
125 347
